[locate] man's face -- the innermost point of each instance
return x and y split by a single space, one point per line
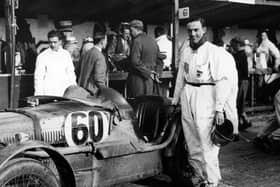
126 34
54 43
195 31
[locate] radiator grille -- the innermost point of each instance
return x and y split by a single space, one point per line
54 137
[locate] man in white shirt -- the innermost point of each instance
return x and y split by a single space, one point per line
206 86
54 70
269 55
165 46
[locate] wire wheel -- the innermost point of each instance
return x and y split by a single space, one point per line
26 180
25 172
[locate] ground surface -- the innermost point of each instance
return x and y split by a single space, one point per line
241 163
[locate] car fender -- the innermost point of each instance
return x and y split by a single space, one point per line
170 149
64 168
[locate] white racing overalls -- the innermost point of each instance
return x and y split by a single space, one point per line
206 83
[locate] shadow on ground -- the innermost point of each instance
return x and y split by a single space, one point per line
243 165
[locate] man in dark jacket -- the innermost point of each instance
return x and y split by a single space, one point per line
93 72
119 49
144 61
241 61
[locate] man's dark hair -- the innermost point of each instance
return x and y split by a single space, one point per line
159 31
200 19
55 33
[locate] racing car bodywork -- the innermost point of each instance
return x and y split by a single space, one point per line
93 141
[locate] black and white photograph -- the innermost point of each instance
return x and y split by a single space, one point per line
140 93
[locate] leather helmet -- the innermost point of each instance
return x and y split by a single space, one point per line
222 134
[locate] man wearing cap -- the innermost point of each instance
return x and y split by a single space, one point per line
93 70
54 70
144 59
206 86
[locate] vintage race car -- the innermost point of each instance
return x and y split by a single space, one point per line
90 141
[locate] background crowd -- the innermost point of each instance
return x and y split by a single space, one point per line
259 59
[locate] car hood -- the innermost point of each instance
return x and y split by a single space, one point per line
47 118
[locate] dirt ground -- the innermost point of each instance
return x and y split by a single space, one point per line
243 165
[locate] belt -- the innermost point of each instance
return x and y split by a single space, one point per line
200 84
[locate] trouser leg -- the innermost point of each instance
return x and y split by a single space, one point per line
192 137
210 153
197 122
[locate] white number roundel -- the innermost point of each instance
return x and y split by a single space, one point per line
81 127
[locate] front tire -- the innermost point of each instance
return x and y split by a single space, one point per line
27 172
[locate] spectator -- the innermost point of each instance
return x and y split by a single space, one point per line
71 45
54 70
266 50
206 86
165 47
143 62
241 61
268 57
248 48
119 50
93 72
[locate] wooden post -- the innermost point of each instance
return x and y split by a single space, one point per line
10 37
175 31
175 20
8 34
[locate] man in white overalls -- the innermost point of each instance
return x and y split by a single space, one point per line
206 86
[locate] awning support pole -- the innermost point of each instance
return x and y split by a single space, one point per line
10 37
175 25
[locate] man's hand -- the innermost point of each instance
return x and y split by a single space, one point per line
155 77
219 118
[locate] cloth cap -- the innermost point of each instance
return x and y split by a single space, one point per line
136 23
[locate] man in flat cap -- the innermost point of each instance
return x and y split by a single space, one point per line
93 72
144 60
